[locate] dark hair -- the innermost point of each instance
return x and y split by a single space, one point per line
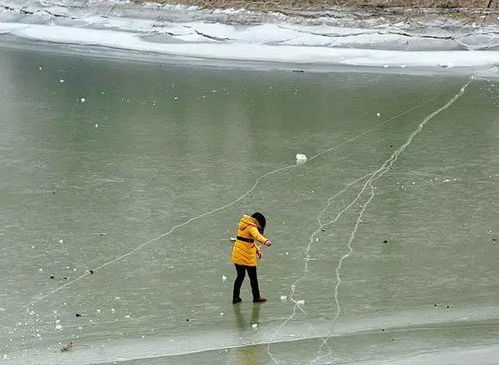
261 221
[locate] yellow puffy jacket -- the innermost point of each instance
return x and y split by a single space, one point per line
245 253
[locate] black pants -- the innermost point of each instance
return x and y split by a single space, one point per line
241 271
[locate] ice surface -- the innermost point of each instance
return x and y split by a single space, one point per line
143 179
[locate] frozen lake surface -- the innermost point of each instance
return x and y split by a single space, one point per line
385 239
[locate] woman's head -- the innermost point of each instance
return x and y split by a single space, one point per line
260 218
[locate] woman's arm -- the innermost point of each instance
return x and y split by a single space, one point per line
259 237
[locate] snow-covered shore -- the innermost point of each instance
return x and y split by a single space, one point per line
238 35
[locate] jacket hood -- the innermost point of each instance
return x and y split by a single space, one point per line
246 221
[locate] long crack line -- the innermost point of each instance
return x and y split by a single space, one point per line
385 167
296 303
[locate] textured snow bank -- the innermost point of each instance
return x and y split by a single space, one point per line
224 35
252 51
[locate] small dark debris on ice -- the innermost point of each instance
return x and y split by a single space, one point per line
67 347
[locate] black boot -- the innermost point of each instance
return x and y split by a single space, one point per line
259 300
236 300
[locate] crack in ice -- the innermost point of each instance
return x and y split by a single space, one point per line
385 167
330 200
297 303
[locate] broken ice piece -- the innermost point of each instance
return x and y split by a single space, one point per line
61 241
97 126
283 297
254 326
224 277
233 239
83 100
378 114
301 302
300 158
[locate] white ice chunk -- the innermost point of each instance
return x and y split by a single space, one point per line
83 100
224 278
96 125
221 313
58 327
378 114
61 81
300 158
61 241
254 326
300 302
284 297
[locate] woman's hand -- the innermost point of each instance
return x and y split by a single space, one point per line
259 254
267 243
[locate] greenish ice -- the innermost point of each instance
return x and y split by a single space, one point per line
121 184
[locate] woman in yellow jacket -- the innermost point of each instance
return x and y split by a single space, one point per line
246 252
